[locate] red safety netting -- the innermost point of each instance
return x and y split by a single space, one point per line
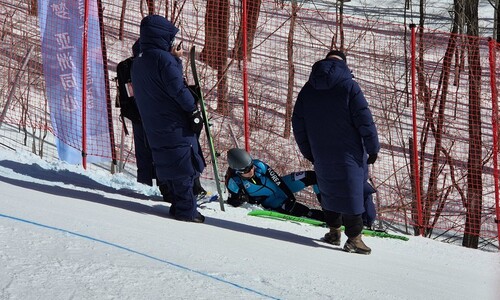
440 98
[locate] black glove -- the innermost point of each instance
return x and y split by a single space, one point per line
196 122
371 158
237 200
195 91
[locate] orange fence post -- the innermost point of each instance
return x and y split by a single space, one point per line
414 125
494 122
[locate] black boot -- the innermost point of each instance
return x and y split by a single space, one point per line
198 219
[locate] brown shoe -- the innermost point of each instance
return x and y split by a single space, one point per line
333 237
356 245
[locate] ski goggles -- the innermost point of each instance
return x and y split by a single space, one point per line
245 170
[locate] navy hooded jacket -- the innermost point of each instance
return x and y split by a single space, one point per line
334 129
164 102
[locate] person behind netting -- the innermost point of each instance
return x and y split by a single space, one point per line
143 156
170 116
253 181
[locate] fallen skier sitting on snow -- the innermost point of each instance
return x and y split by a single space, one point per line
253 181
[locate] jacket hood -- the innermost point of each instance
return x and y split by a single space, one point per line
157 33
327 73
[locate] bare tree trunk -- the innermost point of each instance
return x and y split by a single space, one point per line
291 72
33 10
151 7
166 9
497 25
474 164
437 128
341 25
253 9
216 46
122 20
424 96
214 51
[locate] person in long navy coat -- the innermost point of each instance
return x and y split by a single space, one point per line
168 112
334 129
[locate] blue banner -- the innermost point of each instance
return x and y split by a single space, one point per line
61 27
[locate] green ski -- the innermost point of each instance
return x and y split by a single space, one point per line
213 154
280 216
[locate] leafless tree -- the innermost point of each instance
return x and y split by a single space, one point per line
474 164
291 72
253 10
216 46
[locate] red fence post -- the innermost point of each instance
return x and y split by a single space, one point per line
84 84
244 28
494 124
414 123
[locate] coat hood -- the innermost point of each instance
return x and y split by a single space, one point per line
327 73
157 33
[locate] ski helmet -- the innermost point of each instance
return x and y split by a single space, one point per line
239 160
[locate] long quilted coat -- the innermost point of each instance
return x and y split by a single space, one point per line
165 103
334 129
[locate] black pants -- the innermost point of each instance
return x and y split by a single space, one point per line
300 210
167 196
353 223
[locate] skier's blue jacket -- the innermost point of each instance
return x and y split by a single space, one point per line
263 190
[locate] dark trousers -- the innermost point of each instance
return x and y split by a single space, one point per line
300 210
167 196
353 223
182 197
143 156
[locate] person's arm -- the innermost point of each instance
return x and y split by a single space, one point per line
363 120
173 80
236 195
237 199
299 130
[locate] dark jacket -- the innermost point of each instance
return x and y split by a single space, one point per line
334 129
164 102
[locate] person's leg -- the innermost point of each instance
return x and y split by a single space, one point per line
370 213
297 181
143 157
353 227
316 214
184 200
369 216
301 210
198 190
165 192
297 209
334 221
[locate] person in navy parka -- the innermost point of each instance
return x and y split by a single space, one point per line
169 114
334 129
144 159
